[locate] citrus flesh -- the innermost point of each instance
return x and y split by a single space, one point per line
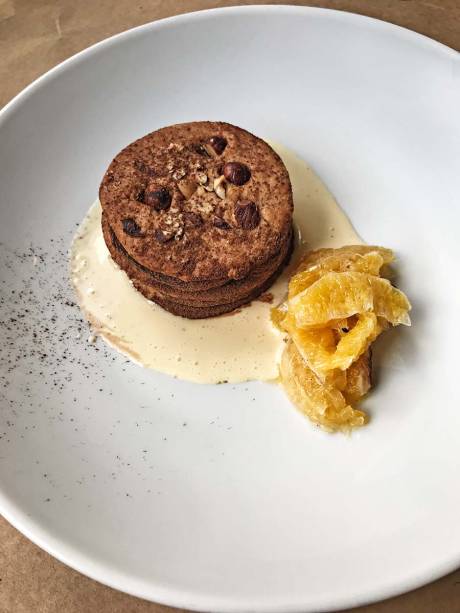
337 305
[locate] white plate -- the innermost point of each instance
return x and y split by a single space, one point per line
225 498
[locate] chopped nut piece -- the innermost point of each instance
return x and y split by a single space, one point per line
202 178
163 236
204 207
178 174
210 150
220 187
200 149
267 297
179 233
175 146
187 187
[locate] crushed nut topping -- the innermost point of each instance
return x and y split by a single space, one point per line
202 178
220 187
187 188
178 174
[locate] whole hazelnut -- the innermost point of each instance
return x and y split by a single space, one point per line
247 214
236 173
218 143
159 199
130 227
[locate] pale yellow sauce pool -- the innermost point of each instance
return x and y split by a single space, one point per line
237 347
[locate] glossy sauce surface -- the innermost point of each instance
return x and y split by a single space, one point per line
237 347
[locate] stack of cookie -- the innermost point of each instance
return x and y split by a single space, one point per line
199 216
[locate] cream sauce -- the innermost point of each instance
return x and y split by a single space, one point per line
238 347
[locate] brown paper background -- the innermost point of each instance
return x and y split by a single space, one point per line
36 35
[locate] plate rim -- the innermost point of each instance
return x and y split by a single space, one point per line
158 23
170 595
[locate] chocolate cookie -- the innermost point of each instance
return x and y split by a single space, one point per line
199 215
199 201
234 291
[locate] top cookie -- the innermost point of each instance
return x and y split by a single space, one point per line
199 201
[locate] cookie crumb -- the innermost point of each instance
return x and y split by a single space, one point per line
267 297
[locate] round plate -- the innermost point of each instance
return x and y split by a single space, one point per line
224 497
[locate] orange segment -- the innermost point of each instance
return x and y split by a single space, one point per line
359 378
355 342
277 314
390 303
315 346
319 349
338 303
301 281
322 403
356 258
313 258
341 294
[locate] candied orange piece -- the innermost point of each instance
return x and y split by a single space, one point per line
319 349
313 258
343 326
357 258
337 306
341 294
277 314
359 378
315 264
354 343
301 281
315 346
337 378
323 403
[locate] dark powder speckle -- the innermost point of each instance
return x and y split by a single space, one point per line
54 385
